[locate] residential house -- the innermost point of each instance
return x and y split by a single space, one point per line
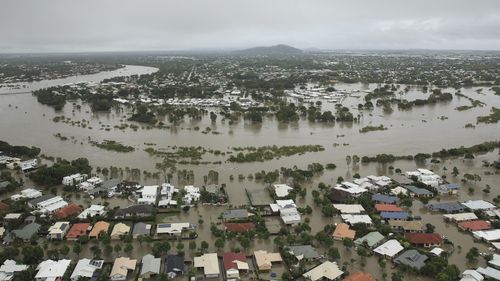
167 192
342 232
426 177
92 211
389 249
10 268
360 276
119 230
425 239
209 263
105 188
471 275
326 271
141 229
349 208
282 190
29 193
352 189
58 230
238 227
371 239
47 204
26 232
265 260
356 219
489 273
446 207
192 194
290 216
74 179
33 203
487 235
303 252
461 217
173 229
68 211
407 226
148 195
86 268
237 214
411 258
121 267
448 189
98 228
474 225
387 208
384 199
175 266
134 211
150 266
50 270
77 230
401 216
479 205
234 264
398 190
419 192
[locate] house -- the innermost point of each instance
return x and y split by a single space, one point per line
425 239
448 189
411 258
419 192
12 216
10 268
398 190
237 214
290 216
371 239
303 252
119 230
47 204
401 216
141 229
33 203
342 232
26 232
387 208
103 188
471 275
474 225
355 219
98 228
352 189
489 272
68 211
192 194
446 207
92 211
461 217
407 226
360 276
77 230
495 261
282 190
487 235
239 227
150 266
264 260
384 199
326 271
173 229
86 268
478 205
148 195
339 196
209 263
436 251
175 266
426 177
74 179
29 193
58 230
349 208
51 270
234 264
167 192
389 249
134 211
121 267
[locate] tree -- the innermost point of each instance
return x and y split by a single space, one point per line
429 228
204 245
192 245
455 171
77 248
128 248
118 248
472 255
64 250
32 254
219 243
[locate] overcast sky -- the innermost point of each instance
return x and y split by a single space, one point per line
125 25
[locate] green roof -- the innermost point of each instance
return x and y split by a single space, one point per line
372 238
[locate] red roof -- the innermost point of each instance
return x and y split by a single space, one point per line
4 206
387 208
77 230
475 225
229 258
424 238
239 227
360 276
68 211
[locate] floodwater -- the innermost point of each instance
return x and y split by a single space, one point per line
23 121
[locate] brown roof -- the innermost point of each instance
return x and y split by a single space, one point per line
475 225
100 226
68 211
424 238
239 227
342 231
407 225
4 206
387 208
360 276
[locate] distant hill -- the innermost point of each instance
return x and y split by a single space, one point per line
270 50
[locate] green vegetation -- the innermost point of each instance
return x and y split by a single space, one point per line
496 89
372 128
142 115
436 97
19 151
493 118
51 98
53 175
271 152
112 145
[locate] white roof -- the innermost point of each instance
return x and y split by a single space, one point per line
328 270
275 207
10 266
488 235
12 216
52 269
389 248
352 188
436 251
172 228
478 205
354 219
209 262
495 261
349 208
489 272
290 215
399 190
86 268
471 275
461 217
93 210
149 190
59 227
282 190
31 193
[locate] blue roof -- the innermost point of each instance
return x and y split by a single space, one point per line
395 215
384 198
446 206
451 186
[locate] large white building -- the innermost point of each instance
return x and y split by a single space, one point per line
92 211
74 179
85 268
50 270
147 195
173 229
29 193
167 193
192 194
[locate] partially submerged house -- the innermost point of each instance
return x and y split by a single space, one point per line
10 268
58 230
234 264
209 263
121 267
141 229
150 266
411 258
303 252
371 239
446 207
389 249
77 230
425 239
342 231
50 270
98 228
326 271
134 211
265 260
119 230
175 266
86 268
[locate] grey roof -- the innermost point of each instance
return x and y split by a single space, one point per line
137 210
140 228
372 239
235 214
447 207
150 265
109 184
27 231
175 264
412 258
42 198
418 190
307 251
